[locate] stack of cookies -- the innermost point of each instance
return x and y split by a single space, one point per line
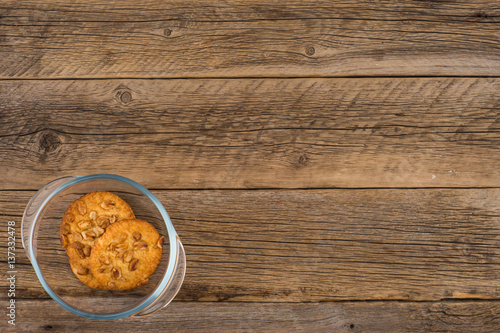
108 248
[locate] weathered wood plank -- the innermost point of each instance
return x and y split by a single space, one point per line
209 10
97 39
253 133
269 317
320 245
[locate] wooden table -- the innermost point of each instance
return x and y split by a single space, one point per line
329 166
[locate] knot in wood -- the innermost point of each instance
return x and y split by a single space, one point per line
49 142
303 159
310 51
126 97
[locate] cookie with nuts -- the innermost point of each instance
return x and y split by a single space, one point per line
126 255
85 220
81 269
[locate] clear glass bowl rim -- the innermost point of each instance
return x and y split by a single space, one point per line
172 235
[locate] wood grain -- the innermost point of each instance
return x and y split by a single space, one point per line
311 194
319 245
208 10
253 133
172 39
247 317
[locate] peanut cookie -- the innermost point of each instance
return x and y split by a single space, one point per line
85 220
84 274
126 255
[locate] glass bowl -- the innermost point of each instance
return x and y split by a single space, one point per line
40 234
